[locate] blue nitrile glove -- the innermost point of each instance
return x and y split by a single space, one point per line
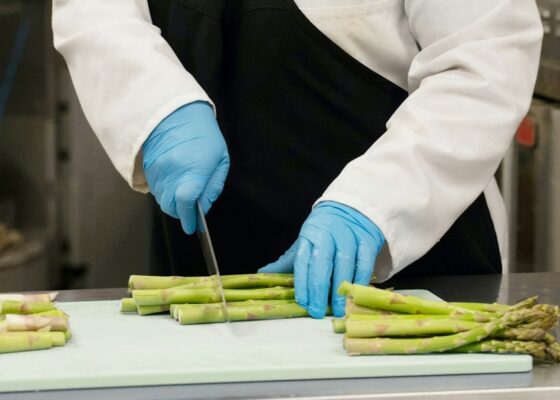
186 159
336 243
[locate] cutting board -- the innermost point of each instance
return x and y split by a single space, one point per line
110 349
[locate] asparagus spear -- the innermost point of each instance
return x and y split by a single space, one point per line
361 346
28 307
369 296
24 341
128 305
249 281
247 303
382 317
353 308
518 333
161 282
228 281
406 327
179 296
372 297
39 297
484 307
15 322
52 313
338 325
207 313
157 309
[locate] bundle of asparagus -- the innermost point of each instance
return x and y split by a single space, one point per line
31 322
196 300
384 322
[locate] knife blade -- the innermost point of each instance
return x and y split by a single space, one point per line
210 256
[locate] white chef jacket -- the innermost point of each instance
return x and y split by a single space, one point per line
468 65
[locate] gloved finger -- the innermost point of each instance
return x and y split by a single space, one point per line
344 265
301 266
285 264
215 185
167 202
367 252
186 195
319 275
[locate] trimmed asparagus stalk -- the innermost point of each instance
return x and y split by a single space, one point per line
128 305
406 327
52 313
58 339
338 325
157 309
180 296
24 341
39 297
16 323
249 281
136 282
208 313
247 303
29 307
228 281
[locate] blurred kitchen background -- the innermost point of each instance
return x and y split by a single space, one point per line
68 220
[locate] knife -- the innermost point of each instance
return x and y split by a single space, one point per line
210 256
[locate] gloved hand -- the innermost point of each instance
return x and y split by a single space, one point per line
336 243
186 159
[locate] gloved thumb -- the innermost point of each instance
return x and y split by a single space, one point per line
186 195
215 185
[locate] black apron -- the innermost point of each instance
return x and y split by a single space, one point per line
294 109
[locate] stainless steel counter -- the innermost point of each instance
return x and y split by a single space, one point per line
542 384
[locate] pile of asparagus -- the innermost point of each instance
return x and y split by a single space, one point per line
31 322
381 321
197 300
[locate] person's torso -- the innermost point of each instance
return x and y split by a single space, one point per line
374 32
298 97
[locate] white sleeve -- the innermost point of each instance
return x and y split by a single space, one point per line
126 76
470 85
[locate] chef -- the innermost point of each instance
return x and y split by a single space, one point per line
351 137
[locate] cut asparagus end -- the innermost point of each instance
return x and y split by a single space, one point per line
339 325
128 305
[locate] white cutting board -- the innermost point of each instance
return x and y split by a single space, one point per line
110 349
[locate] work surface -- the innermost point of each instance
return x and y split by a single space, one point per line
545 381
110 349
